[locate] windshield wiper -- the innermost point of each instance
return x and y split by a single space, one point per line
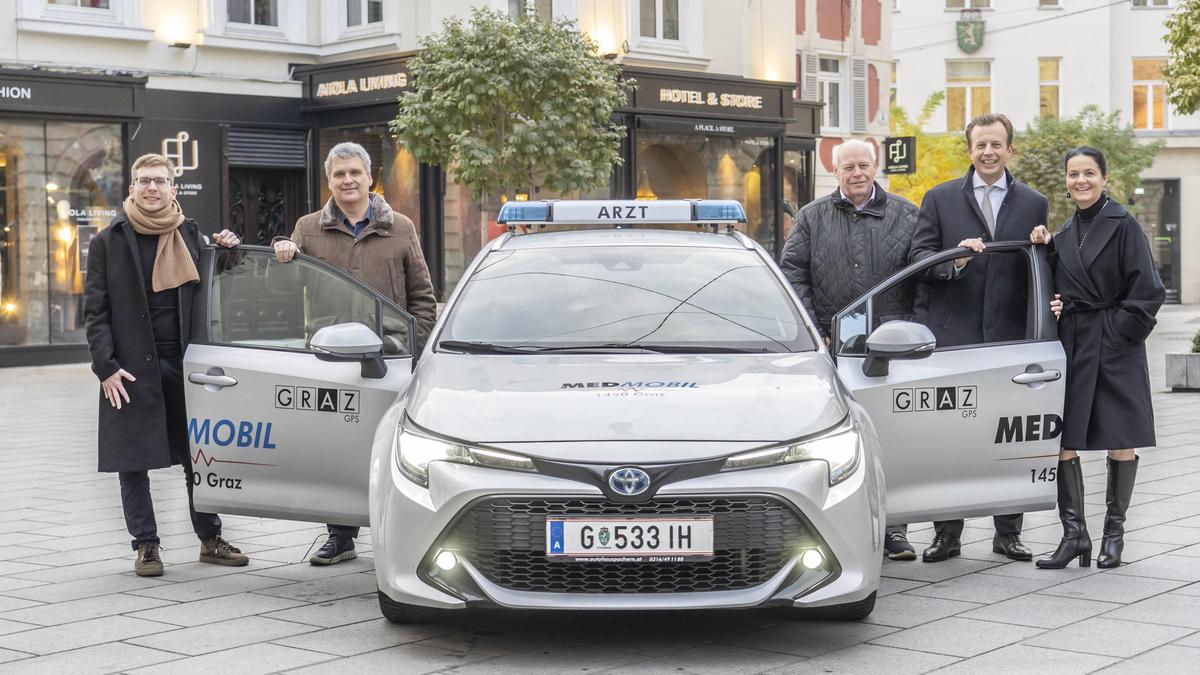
482 347
699 349
648 347
475 347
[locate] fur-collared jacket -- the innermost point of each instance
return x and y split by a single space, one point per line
386 256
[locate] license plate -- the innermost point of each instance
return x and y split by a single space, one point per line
629 539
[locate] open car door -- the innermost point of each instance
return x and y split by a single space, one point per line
289 370
966 429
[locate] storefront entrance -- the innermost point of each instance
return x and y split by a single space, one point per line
265 203
1158 212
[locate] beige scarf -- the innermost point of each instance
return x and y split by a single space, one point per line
173 265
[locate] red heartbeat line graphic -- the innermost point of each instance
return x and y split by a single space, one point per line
208 461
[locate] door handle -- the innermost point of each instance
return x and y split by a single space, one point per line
215 377
1042 376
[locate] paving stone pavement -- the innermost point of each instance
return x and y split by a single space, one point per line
69 602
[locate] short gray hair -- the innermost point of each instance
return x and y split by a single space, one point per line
852 143
347 150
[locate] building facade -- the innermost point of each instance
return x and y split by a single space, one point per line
1028 58
247 96
844 63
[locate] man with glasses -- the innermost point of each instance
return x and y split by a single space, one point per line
359 232
141 276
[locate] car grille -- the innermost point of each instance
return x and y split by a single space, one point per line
505 539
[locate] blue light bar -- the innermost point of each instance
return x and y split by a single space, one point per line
524 212
712 210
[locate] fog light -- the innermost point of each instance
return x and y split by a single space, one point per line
812 559
446 561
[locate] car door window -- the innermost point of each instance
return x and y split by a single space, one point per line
257 301
1002 278
973 427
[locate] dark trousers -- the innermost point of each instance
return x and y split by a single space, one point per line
135 485
1005 525
343 531
139 509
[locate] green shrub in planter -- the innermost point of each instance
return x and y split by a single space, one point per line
1196 343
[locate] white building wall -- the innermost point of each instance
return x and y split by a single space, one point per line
878 56
1096 42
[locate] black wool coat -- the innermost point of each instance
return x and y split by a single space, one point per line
119 335
1111 292
988 300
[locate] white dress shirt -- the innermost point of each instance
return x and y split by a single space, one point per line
999 188
858 207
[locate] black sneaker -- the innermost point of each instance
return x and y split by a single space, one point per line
335 550
897 546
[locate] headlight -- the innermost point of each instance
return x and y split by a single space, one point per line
415 451
838 448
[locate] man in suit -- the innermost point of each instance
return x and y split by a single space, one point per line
141 276
982 299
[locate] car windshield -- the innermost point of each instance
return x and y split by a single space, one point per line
617 298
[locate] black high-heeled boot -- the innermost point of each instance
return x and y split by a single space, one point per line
1121 476
1075 542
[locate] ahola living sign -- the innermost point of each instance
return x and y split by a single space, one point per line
361 84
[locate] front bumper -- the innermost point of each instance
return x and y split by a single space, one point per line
494 522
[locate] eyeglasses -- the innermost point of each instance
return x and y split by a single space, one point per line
145 181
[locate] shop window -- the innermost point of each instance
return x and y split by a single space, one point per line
60 184
1049 4
658 19
797 181
831 92
968 92
254 12
1151 3
362 12
968 4
1048 88
692 166
1149 94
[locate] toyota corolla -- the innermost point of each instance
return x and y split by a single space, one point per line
630 417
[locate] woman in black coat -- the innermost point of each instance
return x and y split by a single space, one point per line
1108 291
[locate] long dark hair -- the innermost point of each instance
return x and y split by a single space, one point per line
1088 151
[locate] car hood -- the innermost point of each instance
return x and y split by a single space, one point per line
723 402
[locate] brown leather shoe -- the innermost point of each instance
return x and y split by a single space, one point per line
149 562
220 552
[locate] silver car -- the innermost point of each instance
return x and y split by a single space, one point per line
629 417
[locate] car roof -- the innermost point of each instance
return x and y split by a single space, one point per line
619 237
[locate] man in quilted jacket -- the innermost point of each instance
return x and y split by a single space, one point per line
844 243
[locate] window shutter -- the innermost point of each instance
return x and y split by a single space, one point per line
858 95
808 76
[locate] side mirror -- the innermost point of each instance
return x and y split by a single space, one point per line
351 342
896 340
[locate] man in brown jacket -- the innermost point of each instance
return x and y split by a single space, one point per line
359 232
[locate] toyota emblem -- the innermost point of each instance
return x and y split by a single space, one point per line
629 481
